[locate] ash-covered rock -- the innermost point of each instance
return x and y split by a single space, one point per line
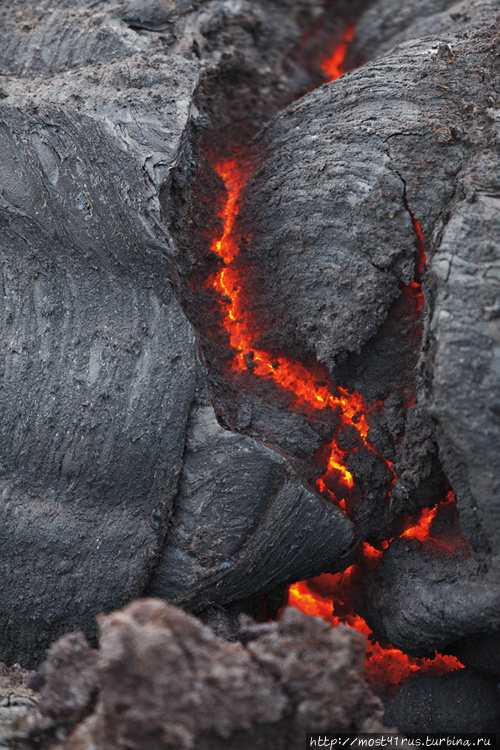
463 701
248 51
98 359
167 682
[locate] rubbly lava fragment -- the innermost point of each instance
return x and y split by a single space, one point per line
166 681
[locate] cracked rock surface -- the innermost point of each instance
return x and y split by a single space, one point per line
330 244
98 360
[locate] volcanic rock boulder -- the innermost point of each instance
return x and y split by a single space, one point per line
98 361
423 597
240 520
329 221
167 682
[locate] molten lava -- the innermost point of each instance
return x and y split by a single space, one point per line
333 66
307 383
386 667
329 596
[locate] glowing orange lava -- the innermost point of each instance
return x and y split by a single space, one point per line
328 596
420 530
331 597
386 667
333 66
307 383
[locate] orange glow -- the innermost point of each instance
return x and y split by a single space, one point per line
420 530
307 383
333 66
328 596
415 285
331 597
386 667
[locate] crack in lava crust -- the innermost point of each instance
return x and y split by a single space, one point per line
307 383
329 596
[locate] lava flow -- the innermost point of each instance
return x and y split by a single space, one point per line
307 383
331 597
328 595
333 66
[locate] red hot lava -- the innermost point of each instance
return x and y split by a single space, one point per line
328 595
331 597
307 383
333 66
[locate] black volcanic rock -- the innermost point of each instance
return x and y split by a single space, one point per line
463 701
329 220
98 360
98 104
422 597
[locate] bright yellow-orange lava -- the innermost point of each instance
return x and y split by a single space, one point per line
307 383
386 667
333 66
328 596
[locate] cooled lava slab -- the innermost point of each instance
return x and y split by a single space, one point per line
346 179
240 520
98 360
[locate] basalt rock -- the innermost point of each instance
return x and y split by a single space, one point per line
167 682
245 49
98 360
329 221
422 597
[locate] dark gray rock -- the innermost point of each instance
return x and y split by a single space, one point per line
249 51
242 522
98 361
462 386
422 597
459 702
389 22
479 651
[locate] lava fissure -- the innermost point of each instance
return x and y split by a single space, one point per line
328 595
309 384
